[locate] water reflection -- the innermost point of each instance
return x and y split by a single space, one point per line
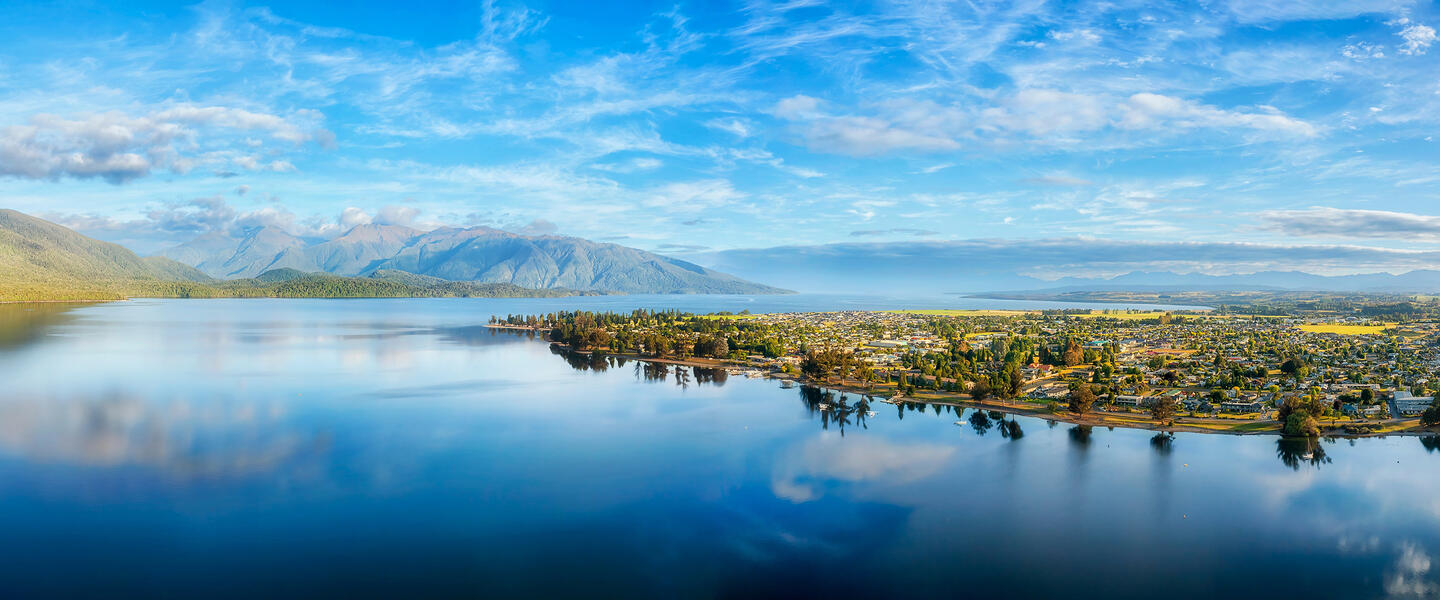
1408 576
833 408
480 467
24 323
477 335
1010 429
180 440
1297 451
804 471
1163 443
980 422
1430 442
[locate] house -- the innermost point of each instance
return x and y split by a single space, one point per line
1407 405
1242 406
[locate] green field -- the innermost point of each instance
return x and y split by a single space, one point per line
947 312
1346 329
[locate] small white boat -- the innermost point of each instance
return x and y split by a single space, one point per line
824 406
869 413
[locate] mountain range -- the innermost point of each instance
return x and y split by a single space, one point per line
1418 281
477 254
40 260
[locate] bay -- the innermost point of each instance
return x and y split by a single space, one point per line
242 448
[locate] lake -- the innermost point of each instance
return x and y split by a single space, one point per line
263 448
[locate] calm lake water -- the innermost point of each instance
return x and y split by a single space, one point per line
261 448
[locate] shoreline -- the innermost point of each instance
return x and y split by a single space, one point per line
1126 420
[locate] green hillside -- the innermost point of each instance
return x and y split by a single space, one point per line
42 261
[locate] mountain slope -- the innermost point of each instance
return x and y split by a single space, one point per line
34 249
40 260
489 255
478 254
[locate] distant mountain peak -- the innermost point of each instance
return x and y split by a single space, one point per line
480 254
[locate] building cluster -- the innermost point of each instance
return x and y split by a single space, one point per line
1207 363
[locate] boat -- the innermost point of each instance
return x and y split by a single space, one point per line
870 413
824 406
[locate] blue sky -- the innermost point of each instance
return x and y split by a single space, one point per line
693 129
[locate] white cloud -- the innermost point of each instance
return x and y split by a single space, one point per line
797 108
1079 35
117 147
1044 112
690 196
740 128
870 136
1149 111
396 215
1363 51
1351 223
1418 38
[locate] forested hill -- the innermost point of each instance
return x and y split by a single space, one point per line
290 283
42 261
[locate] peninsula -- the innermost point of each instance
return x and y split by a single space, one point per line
1349 368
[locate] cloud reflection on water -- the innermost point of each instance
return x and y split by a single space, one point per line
178 440
803 471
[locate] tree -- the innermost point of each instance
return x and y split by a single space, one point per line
1162 409
1082 398
1074 354
1297 419
980 391
1431 416
1014 380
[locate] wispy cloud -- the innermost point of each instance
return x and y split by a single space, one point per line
1352 223
812 122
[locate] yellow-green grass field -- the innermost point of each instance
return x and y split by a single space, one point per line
1345 329
959 312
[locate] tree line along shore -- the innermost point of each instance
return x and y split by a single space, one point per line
1300 375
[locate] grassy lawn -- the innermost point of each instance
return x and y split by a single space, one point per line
1346 329
946 312
1124 316
1255 426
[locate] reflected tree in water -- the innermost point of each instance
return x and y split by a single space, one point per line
832 410
1163 443
1010 429
715 377
582 361
980 422
653 372
1080 436
1297 451
1430 442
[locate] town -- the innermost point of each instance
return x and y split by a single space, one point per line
1309 373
